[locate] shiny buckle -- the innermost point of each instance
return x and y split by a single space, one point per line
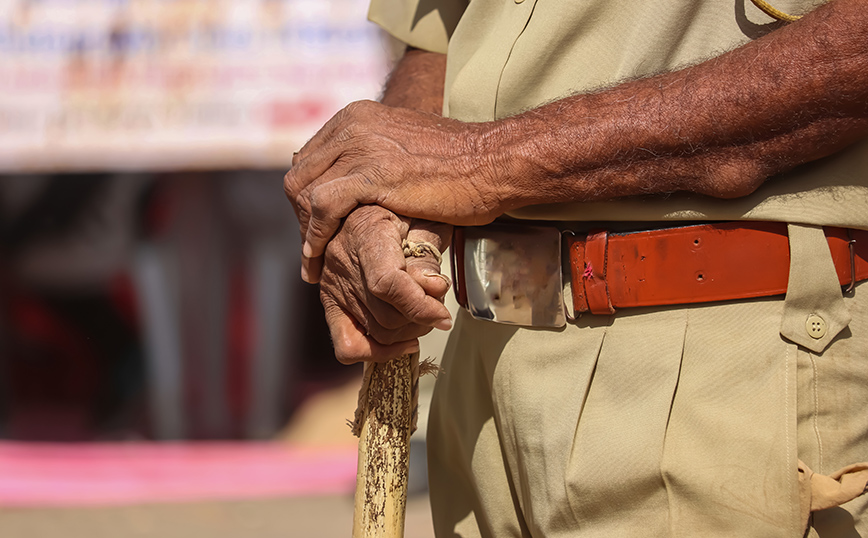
510 274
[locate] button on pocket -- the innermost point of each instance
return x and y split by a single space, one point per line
816 326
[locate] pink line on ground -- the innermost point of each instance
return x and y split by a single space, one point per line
39 474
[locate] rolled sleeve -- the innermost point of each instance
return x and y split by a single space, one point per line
424 24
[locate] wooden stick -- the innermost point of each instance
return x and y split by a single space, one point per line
384 451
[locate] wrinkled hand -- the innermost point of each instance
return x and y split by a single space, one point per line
377 303
413 163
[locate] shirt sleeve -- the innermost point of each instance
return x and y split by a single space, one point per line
424 24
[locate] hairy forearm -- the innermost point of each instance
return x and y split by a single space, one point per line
718 128
417 82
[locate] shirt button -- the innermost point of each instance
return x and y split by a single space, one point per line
816 326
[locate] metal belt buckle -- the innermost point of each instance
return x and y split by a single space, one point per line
511 274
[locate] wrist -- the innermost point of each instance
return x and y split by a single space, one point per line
510 157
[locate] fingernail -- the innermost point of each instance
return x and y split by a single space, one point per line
440 276
304 275
307 250
443 324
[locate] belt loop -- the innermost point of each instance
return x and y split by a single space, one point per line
576 253
814 308
852 244
594 274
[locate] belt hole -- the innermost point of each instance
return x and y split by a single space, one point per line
696 242
700 277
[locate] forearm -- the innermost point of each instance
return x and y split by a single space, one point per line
417 82
719 128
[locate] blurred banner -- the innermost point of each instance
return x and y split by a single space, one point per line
177 84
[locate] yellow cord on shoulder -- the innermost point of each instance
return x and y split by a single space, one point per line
773 12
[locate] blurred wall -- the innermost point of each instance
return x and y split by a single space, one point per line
177 84
148 259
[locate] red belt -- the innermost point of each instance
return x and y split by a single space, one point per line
695 264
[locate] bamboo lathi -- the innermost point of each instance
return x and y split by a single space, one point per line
384 422
385 418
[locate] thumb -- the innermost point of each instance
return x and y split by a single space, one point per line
352 345
329 203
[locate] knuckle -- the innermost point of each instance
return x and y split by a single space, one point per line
337 259
346 355
289 185
345 351
301 203
353 108
318 200
382 285
350 132
359 106
300 196
317 227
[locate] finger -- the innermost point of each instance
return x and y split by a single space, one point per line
318 168
385 315
401 330
401 291
380 319
426 270
329 203
302 211
377 319
431 280
404 334
352 345
311 269
302 201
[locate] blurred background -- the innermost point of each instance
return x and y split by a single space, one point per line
163 369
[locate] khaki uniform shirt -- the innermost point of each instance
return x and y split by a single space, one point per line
663 421
506 56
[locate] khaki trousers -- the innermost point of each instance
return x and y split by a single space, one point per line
666 421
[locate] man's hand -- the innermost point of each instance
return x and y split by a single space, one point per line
414 163
378 303
718 128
